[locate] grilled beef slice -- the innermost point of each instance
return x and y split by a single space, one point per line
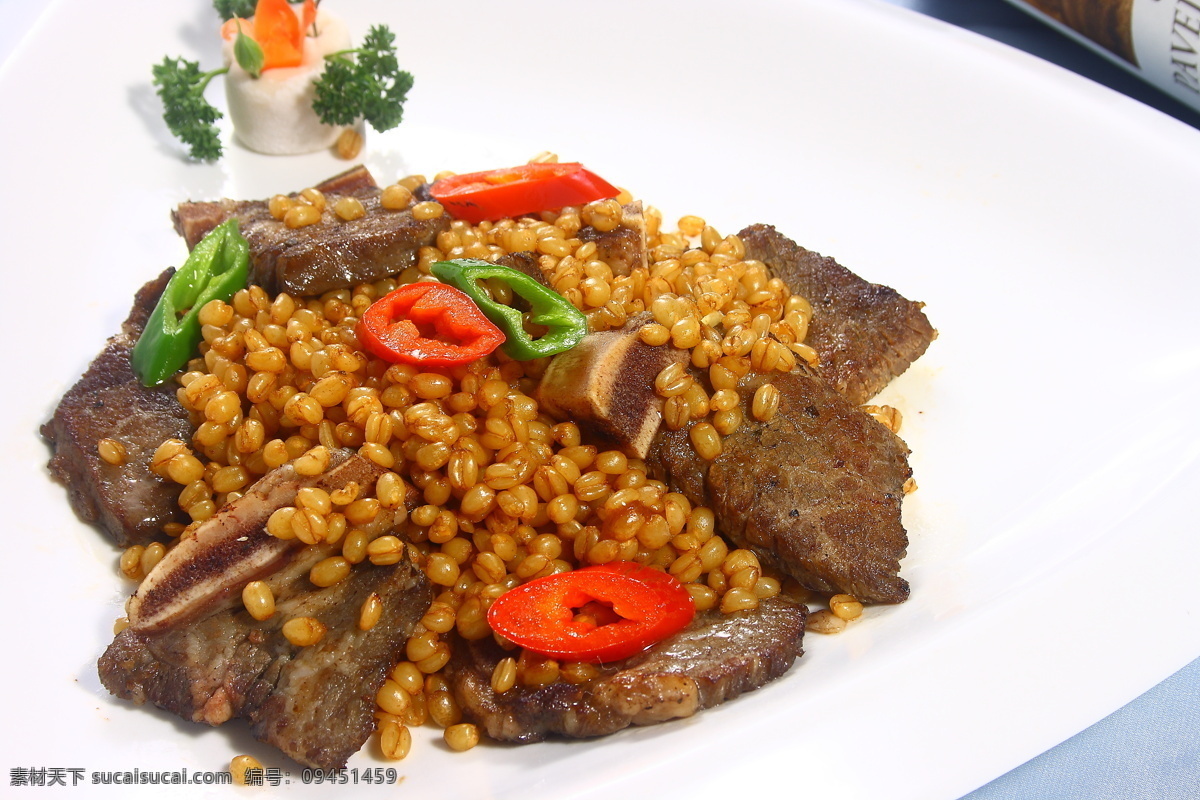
815 492
314 703
716 658
330 254
194 219
128 502
865 334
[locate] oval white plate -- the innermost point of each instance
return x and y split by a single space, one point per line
1047 223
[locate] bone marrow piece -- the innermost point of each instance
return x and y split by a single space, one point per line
329 254
716 658
232 547
127 501
606 385
865 334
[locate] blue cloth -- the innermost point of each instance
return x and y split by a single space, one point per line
1148 750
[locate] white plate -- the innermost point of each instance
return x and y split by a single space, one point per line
1049 225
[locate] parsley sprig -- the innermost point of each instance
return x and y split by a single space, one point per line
228 9
371 86
188 115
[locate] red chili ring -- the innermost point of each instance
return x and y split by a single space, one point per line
631 607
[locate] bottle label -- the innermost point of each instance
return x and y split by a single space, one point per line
1159 40
1166 39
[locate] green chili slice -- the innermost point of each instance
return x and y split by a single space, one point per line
548 308
216 268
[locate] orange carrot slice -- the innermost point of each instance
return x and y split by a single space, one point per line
278 32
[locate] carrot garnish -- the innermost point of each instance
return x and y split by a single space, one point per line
278 33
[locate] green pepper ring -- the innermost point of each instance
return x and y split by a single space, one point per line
567 323
215 269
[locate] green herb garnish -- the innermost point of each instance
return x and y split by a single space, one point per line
228 9
248 53
371 86
188 115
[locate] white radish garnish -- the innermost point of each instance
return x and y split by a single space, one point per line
273 113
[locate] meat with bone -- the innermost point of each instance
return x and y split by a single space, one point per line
865 334
716 658
127 500
192 649
815 492
232 547
314 703
331 253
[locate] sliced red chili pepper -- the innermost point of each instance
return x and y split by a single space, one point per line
514 191
430 324
626 608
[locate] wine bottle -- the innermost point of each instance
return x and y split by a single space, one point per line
1158 40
